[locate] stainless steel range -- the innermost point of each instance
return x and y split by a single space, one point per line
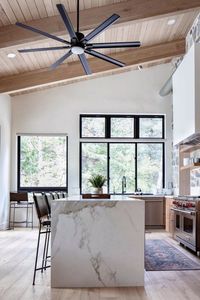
187 221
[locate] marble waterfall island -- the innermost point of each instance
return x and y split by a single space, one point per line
97 243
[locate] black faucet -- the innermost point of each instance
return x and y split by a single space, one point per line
123 184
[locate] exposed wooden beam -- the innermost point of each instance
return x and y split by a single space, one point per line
74 70
132 10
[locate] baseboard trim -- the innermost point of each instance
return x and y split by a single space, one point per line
4 226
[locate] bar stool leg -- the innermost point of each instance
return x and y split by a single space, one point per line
36 257
44 253
10 210
27 214
14 217
32 215
47 249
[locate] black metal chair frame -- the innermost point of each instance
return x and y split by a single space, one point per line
44 229
20 200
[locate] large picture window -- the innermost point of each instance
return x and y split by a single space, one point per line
42 162
142 164
138 163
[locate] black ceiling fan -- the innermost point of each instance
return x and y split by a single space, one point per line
79 43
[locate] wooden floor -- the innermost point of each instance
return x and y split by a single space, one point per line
17 253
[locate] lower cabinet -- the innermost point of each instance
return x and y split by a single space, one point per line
154 210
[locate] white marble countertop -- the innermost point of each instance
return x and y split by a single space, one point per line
112 198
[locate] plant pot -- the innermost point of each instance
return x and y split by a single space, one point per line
98 190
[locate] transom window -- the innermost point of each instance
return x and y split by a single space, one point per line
141 162
122 126
42 162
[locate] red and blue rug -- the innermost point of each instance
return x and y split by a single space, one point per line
162 256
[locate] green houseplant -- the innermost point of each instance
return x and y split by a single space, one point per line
97 182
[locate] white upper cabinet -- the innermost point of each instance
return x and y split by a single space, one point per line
186 96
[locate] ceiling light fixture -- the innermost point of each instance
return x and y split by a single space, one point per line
11 55
171 22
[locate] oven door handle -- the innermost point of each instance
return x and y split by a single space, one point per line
183 211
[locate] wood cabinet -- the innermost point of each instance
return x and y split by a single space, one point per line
169 216
154 211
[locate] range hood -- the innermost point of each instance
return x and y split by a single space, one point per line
186 99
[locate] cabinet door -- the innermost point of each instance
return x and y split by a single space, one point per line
154 212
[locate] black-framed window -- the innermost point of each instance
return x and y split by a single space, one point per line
42 162
142 163
122 126
151 127
93 127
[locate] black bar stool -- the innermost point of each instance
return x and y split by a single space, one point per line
43 214
20 200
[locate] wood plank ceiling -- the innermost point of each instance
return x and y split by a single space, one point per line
148 22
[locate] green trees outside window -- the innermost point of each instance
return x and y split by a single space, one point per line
42 161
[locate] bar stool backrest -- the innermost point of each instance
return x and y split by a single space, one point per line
18 197
55 196
49 199
41 206
65 195
60 195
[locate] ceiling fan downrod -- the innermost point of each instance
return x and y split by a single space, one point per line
77 13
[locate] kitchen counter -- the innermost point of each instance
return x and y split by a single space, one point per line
97 243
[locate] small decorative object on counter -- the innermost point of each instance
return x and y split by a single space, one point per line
97 182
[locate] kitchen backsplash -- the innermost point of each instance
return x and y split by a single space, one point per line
175 169
195 176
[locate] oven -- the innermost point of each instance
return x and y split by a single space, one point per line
185 222
186 210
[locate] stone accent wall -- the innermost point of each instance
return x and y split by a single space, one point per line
194 34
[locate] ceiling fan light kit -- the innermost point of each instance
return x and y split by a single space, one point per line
80 44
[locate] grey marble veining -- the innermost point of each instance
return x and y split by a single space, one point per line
97 243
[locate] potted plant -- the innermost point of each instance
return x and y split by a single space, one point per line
97 182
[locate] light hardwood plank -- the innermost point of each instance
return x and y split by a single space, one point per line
17 254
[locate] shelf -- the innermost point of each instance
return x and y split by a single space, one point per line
189 148
192 166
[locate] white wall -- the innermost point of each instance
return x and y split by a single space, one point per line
5 134
57 110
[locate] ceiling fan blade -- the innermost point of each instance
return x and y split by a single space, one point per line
103 26
105 57
43 49
85 64
46 34
66 20
60 60
114 45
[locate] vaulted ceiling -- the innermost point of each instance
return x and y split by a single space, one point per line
144 20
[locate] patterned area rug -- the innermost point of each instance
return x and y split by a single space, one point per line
161 256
